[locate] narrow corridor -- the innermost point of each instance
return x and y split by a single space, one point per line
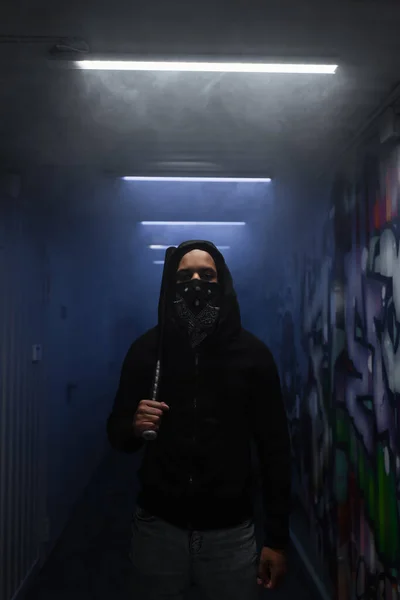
90 561
272 129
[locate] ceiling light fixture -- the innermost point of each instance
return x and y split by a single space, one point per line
160 247
200 179
194 223
207 67
158 262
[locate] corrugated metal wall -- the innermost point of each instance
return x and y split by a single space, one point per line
67 282
80 315
22 483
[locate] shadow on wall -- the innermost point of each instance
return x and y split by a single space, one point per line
341 380
125 332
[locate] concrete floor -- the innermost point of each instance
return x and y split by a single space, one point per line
90 561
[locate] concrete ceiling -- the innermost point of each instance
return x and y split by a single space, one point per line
135 122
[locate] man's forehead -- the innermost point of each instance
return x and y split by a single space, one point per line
196 258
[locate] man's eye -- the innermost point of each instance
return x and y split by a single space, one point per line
183 276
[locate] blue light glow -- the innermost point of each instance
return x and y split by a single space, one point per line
184 179
159 247
194 223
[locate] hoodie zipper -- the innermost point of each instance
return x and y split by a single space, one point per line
196 362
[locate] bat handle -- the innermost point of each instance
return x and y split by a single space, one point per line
151 435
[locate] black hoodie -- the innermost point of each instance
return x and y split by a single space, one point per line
197 474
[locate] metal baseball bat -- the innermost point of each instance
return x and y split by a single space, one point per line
151 435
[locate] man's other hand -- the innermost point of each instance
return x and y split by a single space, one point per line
272 568
148 416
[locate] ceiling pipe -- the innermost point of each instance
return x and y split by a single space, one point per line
60 44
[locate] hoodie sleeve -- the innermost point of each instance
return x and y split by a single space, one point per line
271 435
134 386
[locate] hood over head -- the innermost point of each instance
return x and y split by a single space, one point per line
229 321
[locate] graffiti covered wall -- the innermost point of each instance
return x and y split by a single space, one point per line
340 368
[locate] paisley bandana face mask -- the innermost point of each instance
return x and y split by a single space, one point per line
197 308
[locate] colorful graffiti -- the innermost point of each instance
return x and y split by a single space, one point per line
344 404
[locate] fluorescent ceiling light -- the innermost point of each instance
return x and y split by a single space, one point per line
159 247
158 262
200 179
195 223
206 67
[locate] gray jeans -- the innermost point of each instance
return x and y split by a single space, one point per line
176 564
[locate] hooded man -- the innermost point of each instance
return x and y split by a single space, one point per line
219 389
